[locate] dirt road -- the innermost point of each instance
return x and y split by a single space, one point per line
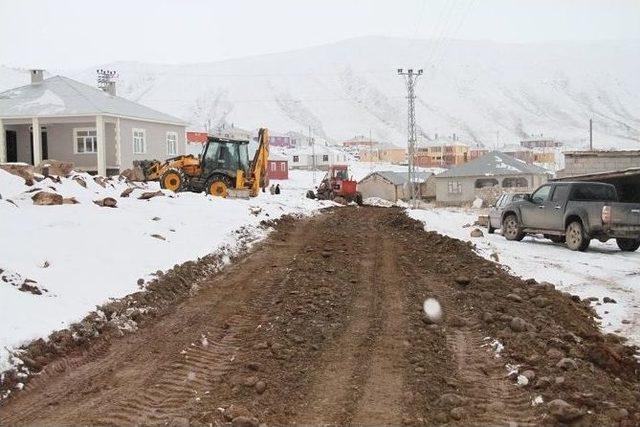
323 324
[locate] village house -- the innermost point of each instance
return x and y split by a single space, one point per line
540 142
443 152
383 154
98 131
519 152
485 178
303 158
388 185
277 167
359 141
284 141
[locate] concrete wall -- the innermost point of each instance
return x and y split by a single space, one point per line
488 194
155 137
60 143
598 161
376 186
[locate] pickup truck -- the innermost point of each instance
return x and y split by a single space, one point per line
574 213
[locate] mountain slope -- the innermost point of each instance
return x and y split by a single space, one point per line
475 89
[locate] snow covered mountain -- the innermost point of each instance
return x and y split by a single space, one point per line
482 91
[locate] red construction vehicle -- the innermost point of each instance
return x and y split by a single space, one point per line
337 186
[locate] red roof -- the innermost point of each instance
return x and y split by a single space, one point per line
197 137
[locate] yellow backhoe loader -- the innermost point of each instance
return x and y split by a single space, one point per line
223 169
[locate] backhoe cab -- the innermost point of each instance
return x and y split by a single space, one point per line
223 169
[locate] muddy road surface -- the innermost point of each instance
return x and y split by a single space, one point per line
322 324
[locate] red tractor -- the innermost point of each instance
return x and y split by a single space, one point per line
337 186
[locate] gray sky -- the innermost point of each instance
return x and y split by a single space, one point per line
72 33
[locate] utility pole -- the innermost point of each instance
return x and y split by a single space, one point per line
591 134
370 153
313 156
410 77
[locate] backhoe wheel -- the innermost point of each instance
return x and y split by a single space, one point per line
172 179
359 198
218 185
511 228
628 245
576 238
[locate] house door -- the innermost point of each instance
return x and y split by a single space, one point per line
43 145
12 146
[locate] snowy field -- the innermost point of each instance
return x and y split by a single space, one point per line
84 254
601 271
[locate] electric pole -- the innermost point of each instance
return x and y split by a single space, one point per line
313 156
591 134
410 77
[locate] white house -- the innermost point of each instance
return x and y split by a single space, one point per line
303 158
63 119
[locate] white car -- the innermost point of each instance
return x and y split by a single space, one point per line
495 211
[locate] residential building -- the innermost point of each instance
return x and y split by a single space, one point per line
277 167
486 177
383 154
96 130
232 132
303 158
540 142
388 185
359 141
285 141
519 152
447 154
589 162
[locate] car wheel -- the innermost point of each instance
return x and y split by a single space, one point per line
511 229
576 238
490 229
628 245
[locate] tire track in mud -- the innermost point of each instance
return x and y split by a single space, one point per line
327 314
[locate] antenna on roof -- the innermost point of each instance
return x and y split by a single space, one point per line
107 80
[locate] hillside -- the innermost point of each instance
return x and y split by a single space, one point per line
475 89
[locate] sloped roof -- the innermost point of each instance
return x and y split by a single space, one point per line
398 178
61 96
494 163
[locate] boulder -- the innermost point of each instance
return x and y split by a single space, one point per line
563 411
518 324
107 202
54 167
135 174
476 232
69 201
22 170
45 198
80 181
126 192
150 194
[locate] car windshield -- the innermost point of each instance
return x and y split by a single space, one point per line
596 193
517 197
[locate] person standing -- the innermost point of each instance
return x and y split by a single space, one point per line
277 188
272 190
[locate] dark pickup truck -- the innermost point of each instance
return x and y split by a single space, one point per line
574 213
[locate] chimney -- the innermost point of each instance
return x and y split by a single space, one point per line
110 88
37 76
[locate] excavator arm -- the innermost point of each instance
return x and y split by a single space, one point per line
258 173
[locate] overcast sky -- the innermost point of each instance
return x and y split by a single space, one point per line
64 34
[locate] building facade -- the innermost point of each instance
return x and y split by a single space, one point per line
486 177
99 132
589 162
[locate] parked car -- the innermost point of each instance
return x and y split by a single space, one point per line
574 212
495 210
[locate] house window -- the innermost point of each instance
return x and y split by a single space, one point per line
325 157
486 182
454 187
139 143
296 159
273 166
172 143
86 140
283 167
515 182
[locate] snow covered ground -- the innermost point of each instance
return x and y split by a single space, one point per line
601 271
84 254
